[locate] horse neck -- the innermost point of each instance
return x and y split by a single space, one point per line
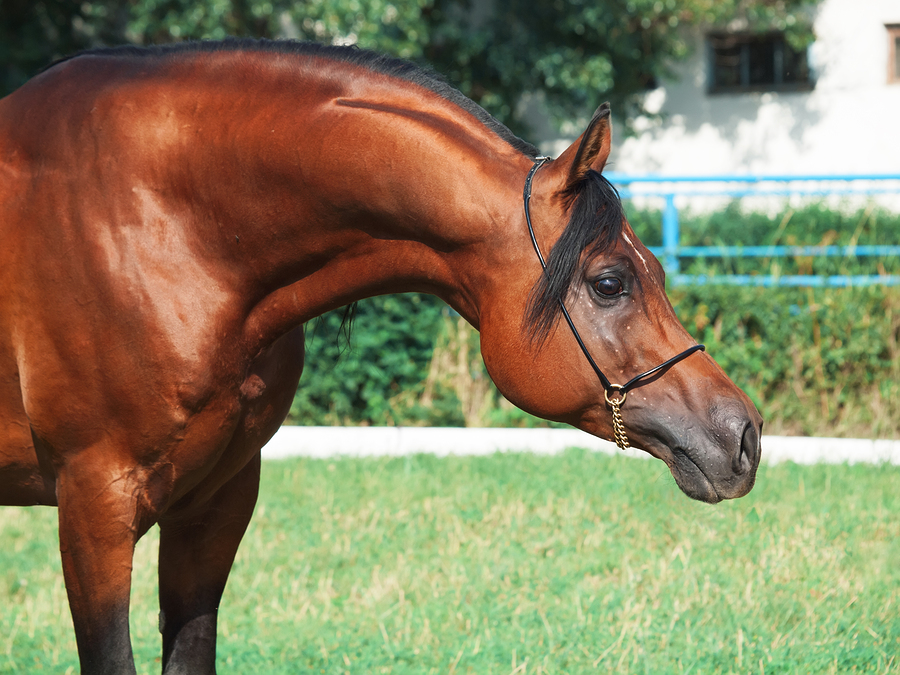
321 200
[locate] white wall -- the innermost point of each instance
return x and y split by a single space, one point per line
322 442
849 123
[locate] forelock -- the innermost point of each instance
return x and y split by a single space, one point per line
594 226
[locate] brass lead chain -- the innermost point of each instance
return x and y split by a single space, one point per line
618 422
619 426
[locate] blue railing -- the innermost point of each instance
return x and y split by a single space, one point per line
671 251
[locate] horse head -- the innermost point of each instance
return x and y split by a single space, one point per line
597 343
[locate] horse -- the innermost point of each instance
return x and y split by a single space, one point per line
172 216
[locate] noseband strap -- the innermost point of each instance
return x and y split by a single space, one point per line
613 393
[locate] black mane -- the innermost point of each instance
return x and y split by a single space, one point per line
593 227
379 63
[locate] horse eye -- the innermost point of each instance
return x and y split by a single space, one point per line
608 286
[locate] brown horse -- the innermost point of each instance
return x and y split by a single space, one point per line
172 216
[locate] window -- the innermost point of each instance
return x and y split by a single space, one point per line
893 53
755 62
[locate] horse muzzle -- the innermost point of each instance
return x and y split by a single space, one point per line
719 463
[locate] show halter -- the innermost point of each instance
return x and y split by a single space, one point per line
613 393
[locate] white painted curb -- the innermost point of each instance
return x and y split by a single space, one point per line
292 441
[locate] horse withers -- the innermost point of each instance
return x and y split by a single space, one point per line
172 216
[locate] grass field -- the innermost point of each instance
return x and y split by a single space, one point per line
518 564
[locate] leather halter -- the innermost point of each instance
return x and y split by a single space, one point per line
614 393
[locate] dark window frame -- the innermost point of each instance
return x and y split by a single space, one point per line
754 62
893 31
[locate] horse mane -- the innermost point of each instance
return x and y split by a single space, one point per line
593 227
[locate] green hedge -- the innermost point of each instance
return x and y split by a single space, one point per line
815 361
376 373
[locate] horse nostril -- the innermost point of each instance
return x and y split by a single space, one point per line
748 455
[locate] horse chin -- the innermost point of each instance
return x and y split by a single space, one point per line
691 479
710 478
709 474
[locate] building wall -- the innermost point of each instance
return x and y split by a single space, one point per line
848 123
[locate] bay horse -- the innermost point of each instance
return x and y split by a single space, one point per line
171 216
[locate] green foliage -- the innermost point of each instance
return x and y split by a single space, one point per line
577 54
570 564
375 374
33 33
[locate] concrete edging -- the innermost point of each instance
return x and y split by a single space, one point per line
292 441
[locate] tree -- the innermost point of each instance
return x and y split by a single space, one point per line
33 34
575 53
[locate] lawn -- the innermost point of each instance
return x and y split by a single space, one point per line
517 564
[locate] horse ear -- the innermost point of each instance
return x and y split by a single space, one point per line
589 152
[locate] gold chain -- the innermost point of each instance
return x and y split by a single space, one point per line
618 422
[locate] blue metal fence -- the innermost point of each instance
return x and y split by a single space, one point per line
671 251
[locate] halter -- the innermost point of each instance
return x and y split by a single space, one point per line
613 393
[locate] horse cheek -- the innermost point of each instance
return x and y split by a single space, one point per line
538 378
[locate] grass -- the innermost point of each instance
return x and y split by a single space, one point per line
518 564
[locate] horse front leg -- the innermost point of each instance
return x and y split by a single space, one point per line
100 520
199 536
196 551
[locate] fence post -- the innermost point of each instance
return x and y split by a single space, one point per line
670 235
